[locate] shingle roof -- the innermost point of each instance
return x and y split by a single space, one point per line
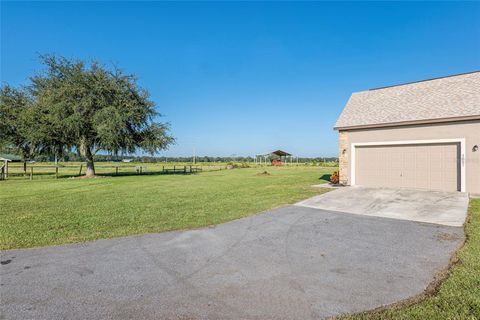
441 98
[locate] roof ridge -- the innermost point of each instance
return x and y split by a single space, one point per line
406 83
443 98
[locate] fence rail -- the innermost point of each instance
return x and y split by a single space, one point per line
39 170
32 172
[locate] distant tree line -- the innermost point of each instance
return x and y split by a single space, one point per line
72 156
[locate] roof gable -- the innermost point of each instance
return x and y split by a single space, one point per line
442 98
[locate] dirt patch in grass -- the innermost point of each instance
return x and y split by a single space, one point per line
264 173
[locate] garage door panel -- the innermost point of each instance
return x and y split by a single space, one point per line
432 167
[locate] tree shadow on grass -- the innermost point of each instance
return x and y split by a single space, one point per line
157 173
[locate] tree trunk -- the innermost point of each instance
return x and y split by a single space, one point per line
90 165
87 153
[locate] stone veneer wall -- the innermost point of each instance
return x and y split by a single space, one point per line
343 158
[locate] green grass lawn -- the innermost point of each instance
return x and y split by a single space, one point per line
50 212
458 296
47 170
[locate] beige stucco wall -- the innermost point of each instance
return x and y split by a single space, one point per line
470 130
343 152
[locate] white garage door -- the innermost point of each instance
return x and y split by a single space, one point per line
422 166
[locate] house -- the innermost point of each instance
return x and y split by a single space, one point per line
420 135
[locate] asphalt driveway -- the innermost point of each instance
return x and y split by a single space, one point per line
289 263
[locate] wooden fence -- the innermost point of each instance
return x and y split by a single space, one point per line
32 172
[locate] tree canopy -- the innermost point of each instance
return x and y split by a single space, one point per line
87 107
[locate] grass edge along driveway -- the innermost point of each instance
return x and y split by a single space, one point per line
53 212
458 296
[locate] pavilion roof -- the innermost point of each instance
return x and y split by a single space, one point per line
280 153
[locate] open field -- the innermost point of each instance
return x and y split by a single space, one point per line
49 211
48 170
458 297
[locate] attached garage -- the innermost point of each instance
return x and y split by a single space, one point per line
423 135
427 166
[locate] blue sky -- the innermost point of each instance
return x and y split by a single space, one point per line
245 78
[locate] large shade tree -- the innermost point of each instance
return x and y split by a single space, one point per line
87 107
15 119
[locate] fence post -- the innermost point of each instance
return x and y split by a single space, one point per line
184 169
163 169
116 170
31 173
24 168
6 170
190 169
80 172
56 172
